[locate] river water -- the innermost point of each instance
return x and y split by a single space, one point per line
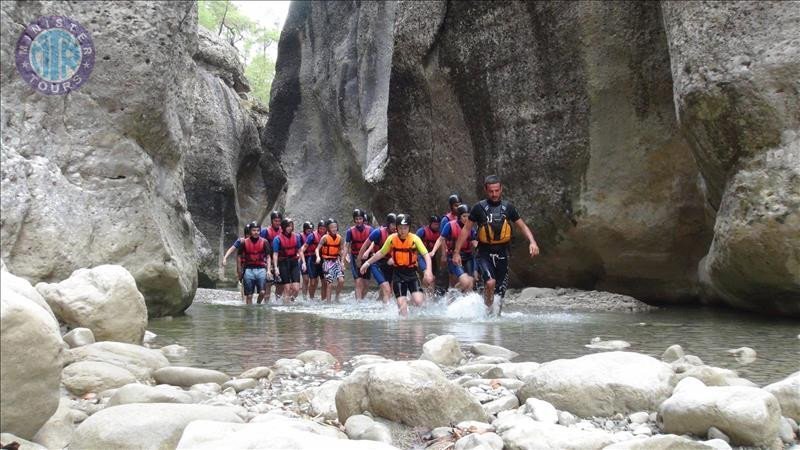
221 333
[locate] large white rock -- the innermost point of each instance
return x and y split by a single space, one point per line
748 415
601 384
361 427
24 444
208 435
662 442
144 425
480 441
142 393
324 401
277 420
443 350
57 431
787 391
79 337
519 371
12 283
30 364
103 299
482 349
92 376
140 361
415 393
317 358
188 376
520 432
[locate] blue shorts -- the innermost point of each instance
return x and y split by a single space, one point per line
313 270
355 269
467 265
254 280
381 271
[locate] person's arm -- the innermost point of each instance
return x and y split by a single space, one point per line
439 243
377 256
533 248
239 268
322 241
300 249
365 249
428 275
347 237
462 237
228 253
276 247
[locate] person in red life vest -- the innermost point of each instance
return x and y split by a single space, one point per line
287 260
254 259
308 229
270 233
330 252
382 271
313 270
453 202
429 235
402 248
450 233
494 217
354 239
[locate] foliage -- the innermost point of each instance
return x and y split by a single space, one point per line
249 37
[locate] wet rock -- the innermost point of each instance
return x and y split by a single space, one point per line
317 358
415 393
488 360
58 430
144 425
522 432
661 442
174 352
149 337
141 393
599 344
324 401
672 354
292 367
30 363
601 384
104 299
541 411
361 360
443 350
361 427
240 384
484 441
78 337
749 416
709 375
140 361
91 376
743 355
787 391
482 349
188 376
257 373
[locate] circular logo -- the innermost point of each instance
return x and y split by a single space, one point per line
55 55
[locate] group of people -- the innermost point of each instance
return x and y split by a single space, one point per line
472 242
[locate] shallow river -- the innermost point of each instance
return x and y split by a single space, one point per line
221 333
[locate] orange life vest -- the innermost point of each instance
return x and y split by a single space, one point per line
403 252
330 249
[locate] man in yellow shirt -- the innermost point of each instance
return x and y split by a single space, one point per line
403 248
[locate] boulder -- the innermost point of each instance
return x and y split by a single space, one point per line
323 403
174 352
103 299
787 391
361 427
443 350
12 283
282 419
84 377
30 363
519 371
78 337
541 411
415 393
58 430
521 432
24 444
503 403
482 349
204 434
601 384
662 442
317 358
104 182
188 376
483 441
141 393
144 425
672 353
748 415
140 361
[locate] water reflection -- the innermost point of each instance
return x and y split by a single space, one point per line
223 334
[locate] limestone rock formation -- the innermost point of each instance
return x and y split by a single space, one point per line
95 176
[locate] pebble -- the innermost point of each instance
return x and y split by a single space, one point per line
566 418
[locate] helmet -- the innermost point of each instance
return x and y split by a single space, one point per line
250 226
330 221
391 218
434 218
286 222
358 213
275 215
403 219
462 208
453 199
322 223
307 225
367 218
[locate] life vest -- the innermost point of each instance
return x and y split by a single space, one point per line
497 229
455 232
430 237
253 253
330 250
312 247
271 233
357 238
288 246
403 252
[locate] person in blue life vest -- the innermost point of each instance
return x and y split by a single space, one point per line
313 270
382 270
355 238
252 262
402 248
288 260
452 230
429 234
493 217
330 253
